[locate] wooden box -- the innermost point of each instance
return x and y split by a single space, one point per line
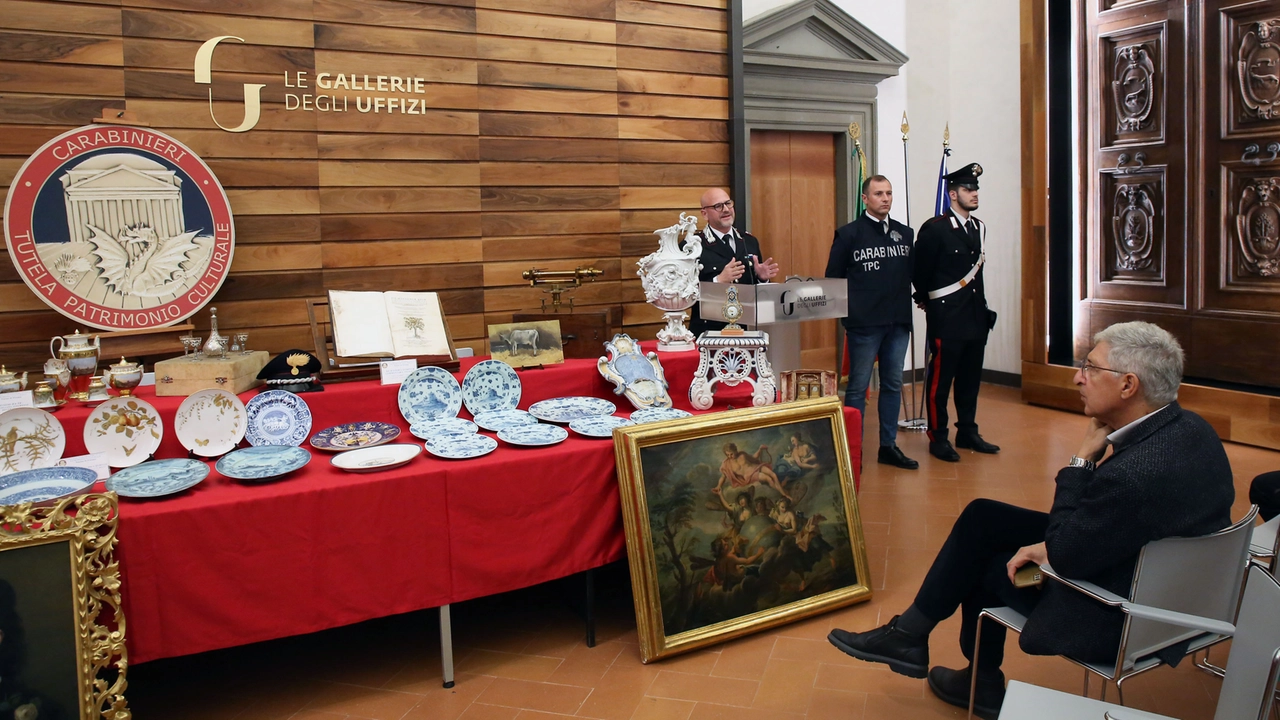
235 373
582 332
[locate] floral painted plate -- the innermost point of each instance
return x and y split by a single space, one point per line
262 463
443 426
461 447
598 426
373 459
565 409
127 429
352 436
648 415
158 478
30 438
534 435
502 419
429 393
45 484
490 385
278 417
210 423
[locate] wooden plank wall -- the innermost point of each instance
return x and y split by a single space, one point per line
560 133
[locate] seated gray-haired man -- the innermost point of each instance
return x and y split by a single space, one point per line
1166 475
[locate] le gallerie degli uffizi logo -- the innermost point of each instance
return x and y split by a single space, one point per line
323 92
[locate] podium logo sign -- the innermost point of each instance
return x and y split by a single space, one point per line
119 228
807 301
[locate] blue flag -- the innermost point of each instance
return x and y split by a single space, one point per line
943 201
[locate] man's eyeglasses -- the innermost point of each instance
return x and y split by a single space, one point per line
1086 366
720 206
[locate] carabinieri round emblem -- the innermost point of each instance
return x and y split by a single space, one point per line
119 227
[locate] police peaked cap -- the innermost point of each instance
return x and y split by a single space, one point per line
966 177
298 364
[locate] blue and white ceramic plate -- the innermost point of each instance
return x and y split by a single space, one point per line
490 385
44 484
534 435
352 436
262 463
158 478
566 409
461 447
503 419
599 426
32 439
278 417
373 459
649 415
430 393
443 426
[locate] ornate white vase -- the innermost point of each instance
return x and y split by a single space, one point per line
670 280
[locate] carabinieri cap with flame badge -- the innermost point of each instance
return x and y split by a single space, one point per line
293 370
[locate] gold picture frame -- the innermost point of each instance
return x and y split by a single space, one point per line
712 556
60 612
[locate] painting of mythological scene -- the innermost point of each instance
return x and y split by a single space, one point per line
527 344
746 525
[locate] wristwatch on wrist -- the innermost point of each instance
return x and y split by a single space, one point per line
1080 462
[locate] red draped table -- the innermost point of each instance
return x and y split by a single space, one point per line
230 563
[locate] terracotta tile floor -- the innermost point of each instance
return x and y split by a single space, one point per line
522 655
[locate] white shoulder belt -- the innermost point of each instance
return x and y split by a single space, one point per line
973 271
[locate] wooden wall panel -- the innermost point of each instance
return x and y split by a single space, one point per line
558 133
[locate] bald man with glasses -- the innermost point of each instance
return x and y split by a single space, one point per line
728 255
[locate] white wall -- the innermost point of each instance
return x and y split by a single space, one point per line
964 68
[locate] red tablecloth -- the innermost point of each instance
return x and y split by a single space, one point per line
228 564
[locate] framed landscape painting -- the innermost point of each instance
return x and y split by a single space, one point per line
739 521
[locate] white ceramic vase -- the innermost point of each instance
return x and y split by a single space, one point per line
670 280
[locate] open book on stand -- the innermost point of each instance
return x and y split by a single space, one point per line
389 324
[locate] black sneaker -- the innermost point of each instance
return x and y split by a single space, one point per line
973 441
952 686
904 653
943 451
891 455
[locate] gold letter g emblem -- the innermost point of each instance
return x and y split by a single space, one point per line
252 91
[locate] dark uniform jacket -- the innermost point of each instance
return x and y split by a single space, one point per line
1169 478
944 254
715 255
878 267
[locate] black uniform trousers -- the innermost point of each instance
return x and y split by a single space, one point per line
957 362
969 573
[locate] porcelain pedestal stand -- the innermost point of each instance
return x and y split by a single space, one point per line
675 337
730 360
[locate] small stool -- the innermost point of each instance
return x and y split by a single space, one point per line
733 359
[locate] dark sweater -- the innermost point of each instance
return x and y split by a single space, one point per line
1169 478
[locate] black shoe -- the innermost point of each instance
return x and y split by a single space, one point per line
943 451
904 653
952 686
973 441
891 455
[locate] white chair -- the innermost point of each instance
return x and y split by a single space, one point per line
1199 576
1248 690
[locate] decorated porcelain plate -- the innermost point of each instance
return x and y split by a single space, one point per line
210 423
158 478
373 459
352 436
461 447
29 438
490 385
278 417
502 419
598 426
533 435
44 484
262 463
429 393
648 415
565 409
127 429
443 426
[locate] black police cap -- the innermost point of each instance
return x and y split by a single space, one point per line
297 365
966 176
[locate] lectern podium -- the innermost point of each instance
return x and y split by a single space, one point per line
779 308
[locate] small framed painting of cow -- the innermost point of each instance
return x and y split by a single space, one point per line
527 344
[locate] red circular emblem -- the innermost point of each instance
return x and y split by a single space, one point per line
119 227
